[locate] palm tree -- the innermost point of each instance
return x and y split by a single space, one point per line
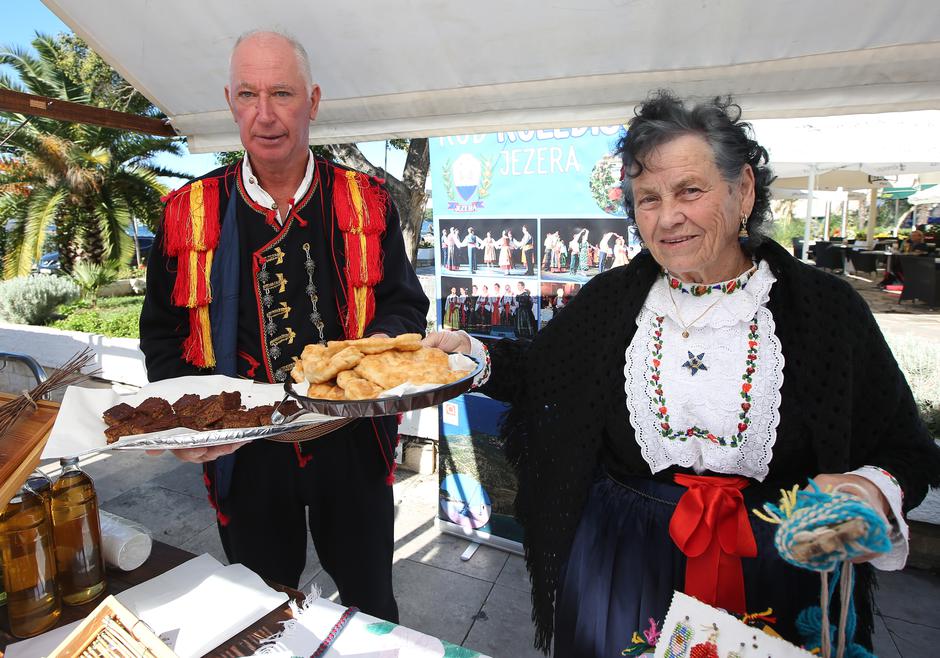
83 182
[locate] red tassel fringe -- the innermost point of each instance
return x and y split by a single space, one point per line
223 519
302 459
362 269
194 348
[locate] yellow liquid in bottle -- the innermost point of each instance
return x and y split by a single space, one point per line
29 572
77 531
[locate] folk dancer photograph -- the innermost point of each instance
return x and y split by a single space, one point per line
505 252
526 246
605 251
525 317
471 243
489 251
452 310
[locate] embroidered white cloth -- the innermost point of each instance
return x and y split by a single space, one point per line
260 196
896 558
721 417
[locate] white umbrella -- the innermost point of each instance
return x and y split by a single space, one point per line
930 197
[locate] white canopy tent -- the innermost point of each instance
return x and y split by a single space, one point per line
856 152
434 67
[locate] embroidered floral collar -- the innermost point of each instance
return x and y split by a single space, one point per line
700 289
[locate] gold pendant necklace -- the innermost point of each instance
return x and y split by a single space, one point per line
686 327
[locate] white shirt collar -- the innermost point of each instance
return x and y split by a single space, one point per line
262 198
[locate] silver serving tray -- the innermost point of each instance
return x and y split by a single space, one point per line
389 406
292 431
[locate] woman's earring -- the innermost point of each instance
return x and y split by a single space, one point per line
743 232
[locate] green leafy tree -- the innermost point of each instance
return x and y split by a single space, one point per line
79 183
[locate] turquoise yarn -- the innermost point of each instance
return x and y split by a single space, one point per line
816 509
809 626
808 511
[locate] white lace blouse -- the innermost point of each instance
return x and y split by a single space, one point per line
710 401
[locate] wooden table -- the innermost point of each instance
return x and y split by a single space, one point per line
163 558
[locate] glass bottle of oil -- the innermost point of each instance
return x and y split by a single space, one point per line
40 484
29 570
77 531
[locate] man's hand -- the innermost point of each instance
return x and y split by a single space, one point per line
829 481
201 455
448 341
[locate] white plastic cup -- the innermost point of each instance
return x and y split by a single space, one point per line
125 544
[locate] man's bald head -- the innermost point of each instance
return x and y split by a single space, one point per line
303 60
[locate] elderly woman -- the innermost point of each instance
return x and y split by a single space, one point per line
710 372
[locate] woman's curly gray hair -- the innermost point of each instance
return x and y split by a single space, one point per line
664 117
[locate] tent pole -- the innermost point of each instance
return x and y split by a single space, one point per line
809 211
845 216
826 226
872 216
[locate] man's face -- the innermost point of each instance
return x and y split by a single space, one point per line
271 101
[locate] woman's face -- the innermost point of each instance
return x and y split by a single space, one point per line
453 291
687 215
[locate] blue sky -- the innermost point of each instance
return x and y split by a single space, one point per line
23 18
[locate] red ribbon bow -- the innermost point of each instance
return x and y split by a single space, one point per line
710 526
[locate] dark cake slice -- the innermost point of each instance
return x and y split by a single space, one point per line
289 408
186 402
162 423
210 410
263 414
237 419
118 414
155 407
231 401
136 424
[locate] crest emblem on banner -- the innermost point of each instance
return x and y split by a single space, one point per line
467 181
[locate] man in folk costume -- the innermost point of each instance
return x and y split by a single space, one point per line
252 263
527 254
485 310
472 243
605 251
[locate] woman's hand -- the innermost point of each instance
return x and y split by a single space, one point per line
829 481
448 341
201 455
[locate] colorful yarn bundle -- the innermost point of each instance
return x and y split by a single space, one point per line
821 530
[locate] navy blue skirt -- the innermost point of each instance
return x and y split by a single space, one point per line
623 568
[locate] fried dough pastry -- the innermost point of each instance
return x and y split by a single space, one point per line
318 370
427 365
379 344
326 392
356 387
362 369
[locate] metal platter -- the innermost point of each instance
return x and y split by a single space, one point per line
385 406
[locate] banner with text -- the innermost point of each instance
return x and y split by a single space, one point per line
563 172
